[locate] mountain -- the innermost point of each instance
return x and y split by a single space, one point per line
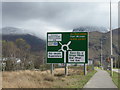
90 29
11 34
95 44
96 34
95 37
13 31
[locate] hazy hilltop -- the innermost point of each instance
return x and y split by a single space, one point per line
11 34
13 31
90 29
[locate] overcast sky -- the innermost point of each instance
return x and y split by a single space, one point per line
41 17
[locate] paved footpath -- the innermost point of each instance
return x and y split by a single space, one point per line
101 79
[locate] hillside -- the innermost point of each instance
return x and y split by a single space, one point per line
13 33
36 43
95 37
95 46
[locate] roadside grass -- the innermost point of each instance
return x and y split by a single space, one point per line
78 81
43 79
98 68
116 78
116 68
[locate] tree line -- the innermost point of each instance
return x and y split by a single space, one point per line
17 55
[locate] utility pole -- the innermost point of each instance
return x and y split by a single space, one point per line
111 62
101 53
115 62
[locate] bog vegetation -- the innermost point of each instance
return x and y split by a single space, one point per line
43 79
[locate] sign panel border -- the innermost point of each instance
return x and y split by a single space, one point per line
86 61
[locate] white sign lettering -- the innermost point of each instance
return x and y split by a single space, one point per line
54 37
76 56
54 54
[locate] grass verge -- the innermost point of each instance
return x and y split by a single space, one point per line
116 68
116 78
74 81
43 79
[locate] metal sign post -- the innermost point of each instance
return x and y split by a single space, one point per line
111 62
85 69
66 69
52 69
93 65
67 48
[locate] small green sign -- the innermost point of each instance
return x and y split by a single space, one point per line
67 47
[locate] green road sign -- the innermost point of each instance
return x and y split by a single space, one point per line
67 47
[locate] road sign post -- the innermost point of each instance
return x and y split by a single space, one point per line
92 64
66 69
67 47
85 69
52 69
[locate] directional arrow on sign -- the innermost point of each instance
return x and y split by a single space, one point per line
65 50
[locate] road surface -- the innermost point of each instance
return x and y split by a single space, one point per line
116 70
101 79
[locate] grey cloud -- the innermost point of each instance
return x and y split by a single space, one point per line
27 10
66 15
